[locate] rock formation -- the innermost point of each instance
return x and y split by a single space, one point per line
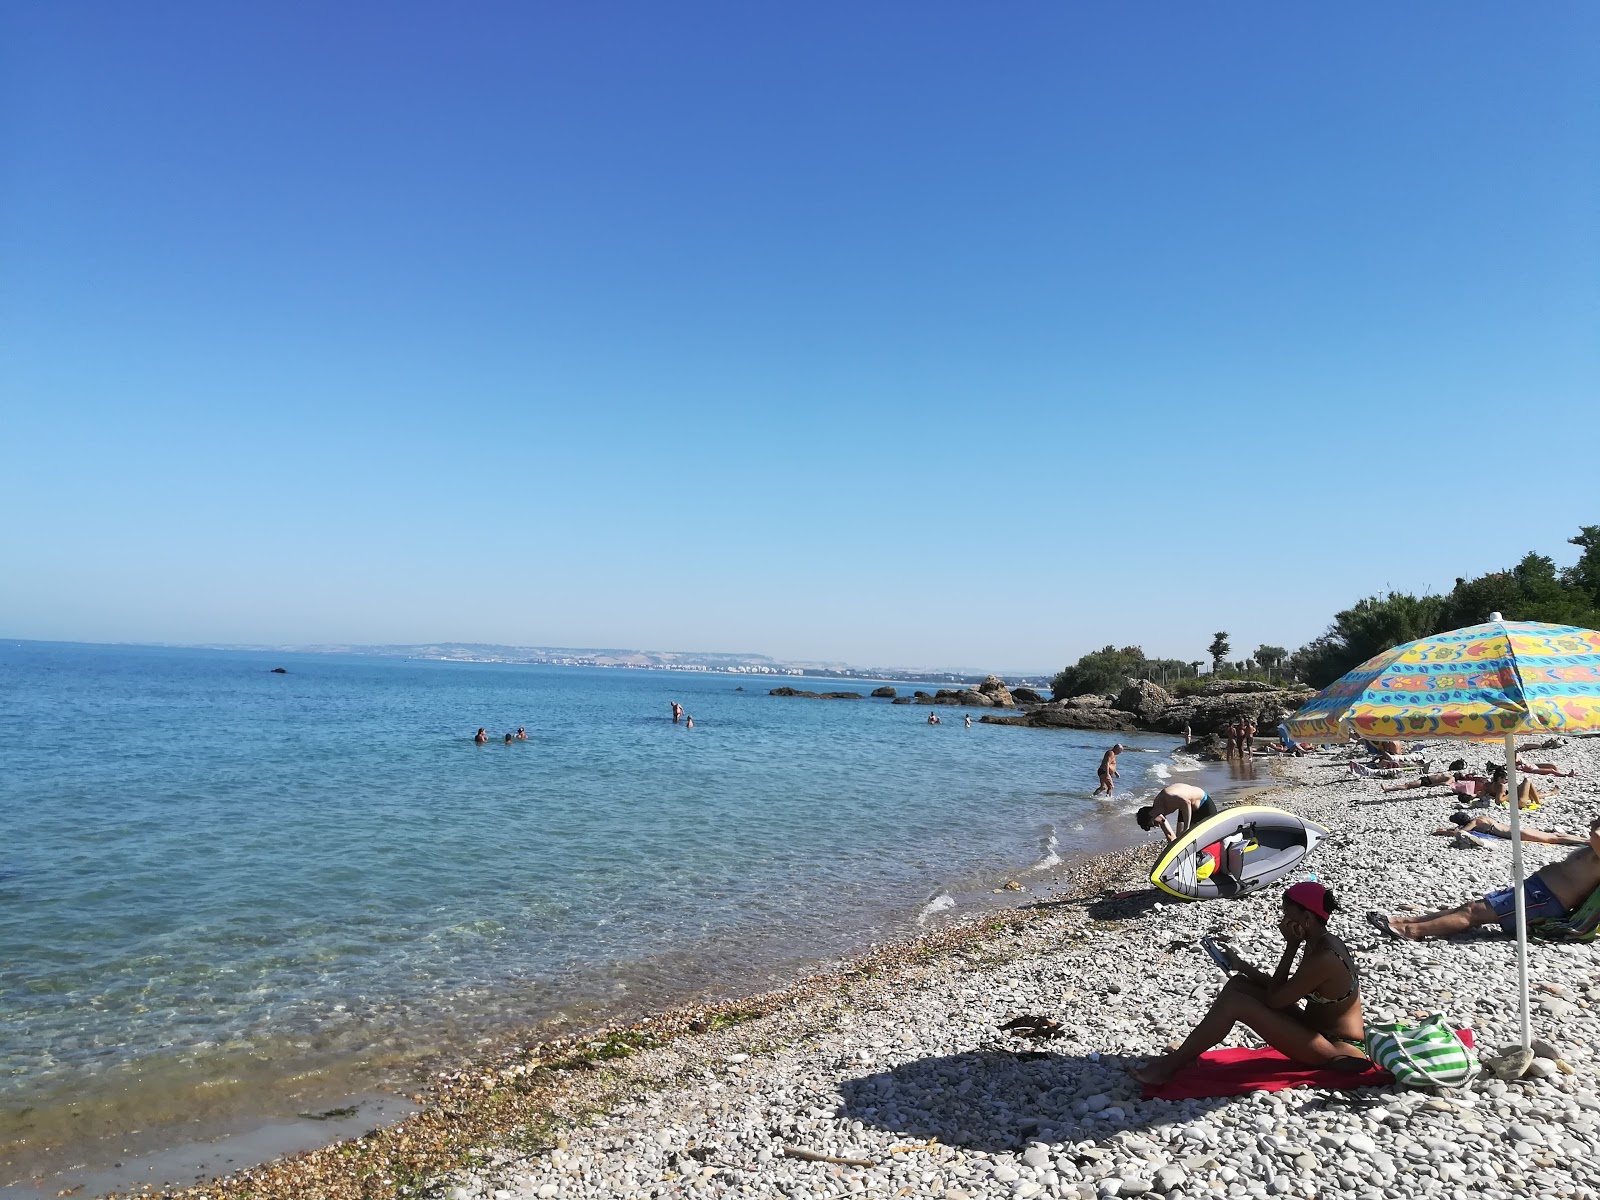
1143 700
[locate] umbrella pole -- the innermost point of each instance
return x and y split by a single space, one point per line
1515 801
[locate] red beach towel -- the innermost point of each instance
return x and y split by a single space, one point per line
1234 1072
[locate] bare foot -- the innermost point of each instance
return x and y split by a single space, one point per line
1156 1072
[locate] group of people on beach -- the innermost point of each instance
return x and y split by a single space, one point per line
1239 734
1489 785
1309 1007
482 737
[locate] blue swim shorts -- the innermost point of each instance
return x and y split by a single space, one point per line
1542 904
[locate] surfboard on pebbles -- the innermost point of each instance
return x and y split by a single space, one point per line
1236 852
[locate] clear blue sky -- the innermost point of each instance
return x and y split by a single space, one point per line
900 333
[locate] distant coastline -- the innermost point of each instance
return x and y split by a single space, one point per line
611 658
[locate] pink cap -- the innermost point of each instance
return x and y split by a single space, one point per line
1311 896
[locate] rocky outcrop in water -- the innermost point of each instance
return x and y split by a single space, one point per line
885 693
998 693
789 691
1062 716
1143 700
1208 713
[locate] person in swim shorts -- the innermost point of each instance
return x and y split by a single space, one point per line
1108 770
1550 894
1186 804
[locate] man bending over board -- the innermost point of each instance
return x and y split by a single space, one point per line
1552 893
1186 804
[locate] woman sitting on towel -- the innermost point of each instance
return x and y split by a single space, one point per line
1325 1031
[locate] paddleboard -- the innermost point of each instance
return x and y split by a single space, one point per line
1235 852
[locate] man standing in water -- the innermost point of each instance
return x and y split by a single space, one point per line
1186 804
1108 770
677 712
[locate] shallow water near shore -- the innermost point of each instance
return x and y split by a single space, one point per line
226 893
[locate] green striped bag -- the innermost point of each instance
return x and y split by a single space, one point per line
1425 1055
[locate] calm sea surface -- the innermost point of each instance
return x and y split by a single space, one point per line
216 881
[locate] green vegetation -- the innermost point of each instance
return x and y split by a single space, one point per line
1218 649
727 1018
1108 670
1271 656
1100 671
1535 589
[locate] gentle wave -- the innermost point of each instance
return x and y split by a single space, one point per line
938 904
321 867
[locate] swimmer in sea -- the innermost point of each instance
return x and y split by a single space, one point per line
969 720
481 736
688 722
933 719
677 712
522 734
508 739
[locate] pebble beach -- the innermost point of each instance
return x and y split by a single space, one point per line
893 1077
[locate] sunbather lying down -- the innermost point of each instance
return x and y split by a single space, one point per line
1551 894
1544 769
1467 823
1487 787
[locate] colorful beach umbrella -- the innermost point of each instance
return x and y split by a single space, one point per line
1485 682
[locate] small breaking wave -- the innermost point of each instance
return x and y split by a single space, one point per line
1159 770
938 904
1051 858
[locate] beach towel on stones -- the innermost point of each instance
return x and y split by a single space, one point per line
1235 1072
1580 925
1235 852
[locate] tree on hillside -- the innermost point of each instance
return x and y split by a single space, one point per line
1533 590
1103 671
1270 656
1218 650
1584 575
1367 628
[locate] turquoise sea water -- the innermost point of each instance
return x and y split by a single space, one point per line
213 875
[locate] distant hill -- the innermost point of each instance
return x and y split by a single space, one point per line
668 660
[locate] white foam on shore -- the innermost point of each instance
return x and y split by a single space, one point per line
1160 771
938 904
1051 858
1183 763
